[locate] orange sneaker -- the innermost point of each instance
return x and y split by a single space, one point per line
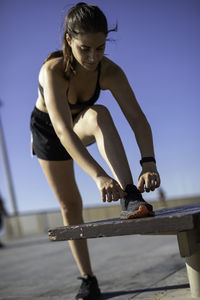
134 206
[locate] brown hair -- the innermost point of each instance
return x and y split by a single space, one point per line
81 18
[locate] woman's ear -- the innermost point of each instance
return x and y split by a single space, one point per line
68 39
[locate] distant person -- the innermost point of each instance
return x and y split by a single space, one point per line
162 198
66 119
3 213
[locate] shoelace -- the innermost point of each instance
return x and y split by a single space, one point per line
85 281
134 193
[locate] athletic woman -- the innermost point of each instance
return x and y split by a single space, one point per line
66 119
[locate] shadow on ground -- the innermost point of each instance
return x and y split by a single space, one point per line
26 243
111 295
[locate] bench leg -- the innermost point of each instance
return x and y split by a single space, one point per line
193 270
189 248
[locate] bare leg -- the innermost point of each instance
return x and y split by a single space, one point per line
97 122
60 175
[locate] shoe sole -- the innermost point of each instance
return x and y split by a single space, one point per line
96 298
142 212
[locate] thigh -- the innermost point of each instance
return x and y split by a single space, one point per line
82 128
87 123
60 176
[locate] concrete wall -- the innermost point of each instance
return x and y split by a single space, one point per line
39 223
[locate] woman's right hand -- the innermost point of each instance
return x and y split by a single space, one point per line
110 189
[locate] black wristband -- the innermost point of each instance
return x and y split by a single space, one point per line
147 159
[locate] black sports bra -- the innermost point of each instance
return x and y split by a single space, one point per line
81 104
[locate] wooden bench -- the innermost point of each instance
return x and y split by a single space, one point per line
184 221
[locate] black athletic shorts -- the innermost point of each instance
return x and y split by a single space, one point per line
45 143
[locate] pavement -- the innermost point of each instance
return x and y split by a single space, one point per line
128 267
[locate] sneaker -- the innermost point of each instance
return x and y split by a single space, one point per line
89 289
1 245
134 206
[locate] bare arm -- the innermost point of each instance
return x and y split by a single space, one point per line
123 93
60 115
55 99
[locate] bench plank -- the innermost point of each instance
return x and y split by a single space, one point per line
171 220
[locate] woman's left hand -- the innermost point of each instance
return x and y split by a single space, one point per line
149 178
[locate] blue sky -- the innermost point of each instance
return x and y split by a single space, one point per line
158 47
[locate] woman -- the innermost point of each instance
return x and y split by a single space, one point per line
3 214
65 121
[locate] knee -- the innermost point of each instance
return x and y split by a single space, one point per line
71 210
71 202
71 214
69 207
99 116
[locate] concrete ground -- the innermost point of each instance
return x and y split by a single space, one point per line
128 267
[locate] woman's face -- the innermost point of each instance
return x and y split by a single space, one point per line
88 49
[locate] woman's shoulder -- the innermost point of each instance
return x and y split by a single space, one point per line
108 66
109 72
53 67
